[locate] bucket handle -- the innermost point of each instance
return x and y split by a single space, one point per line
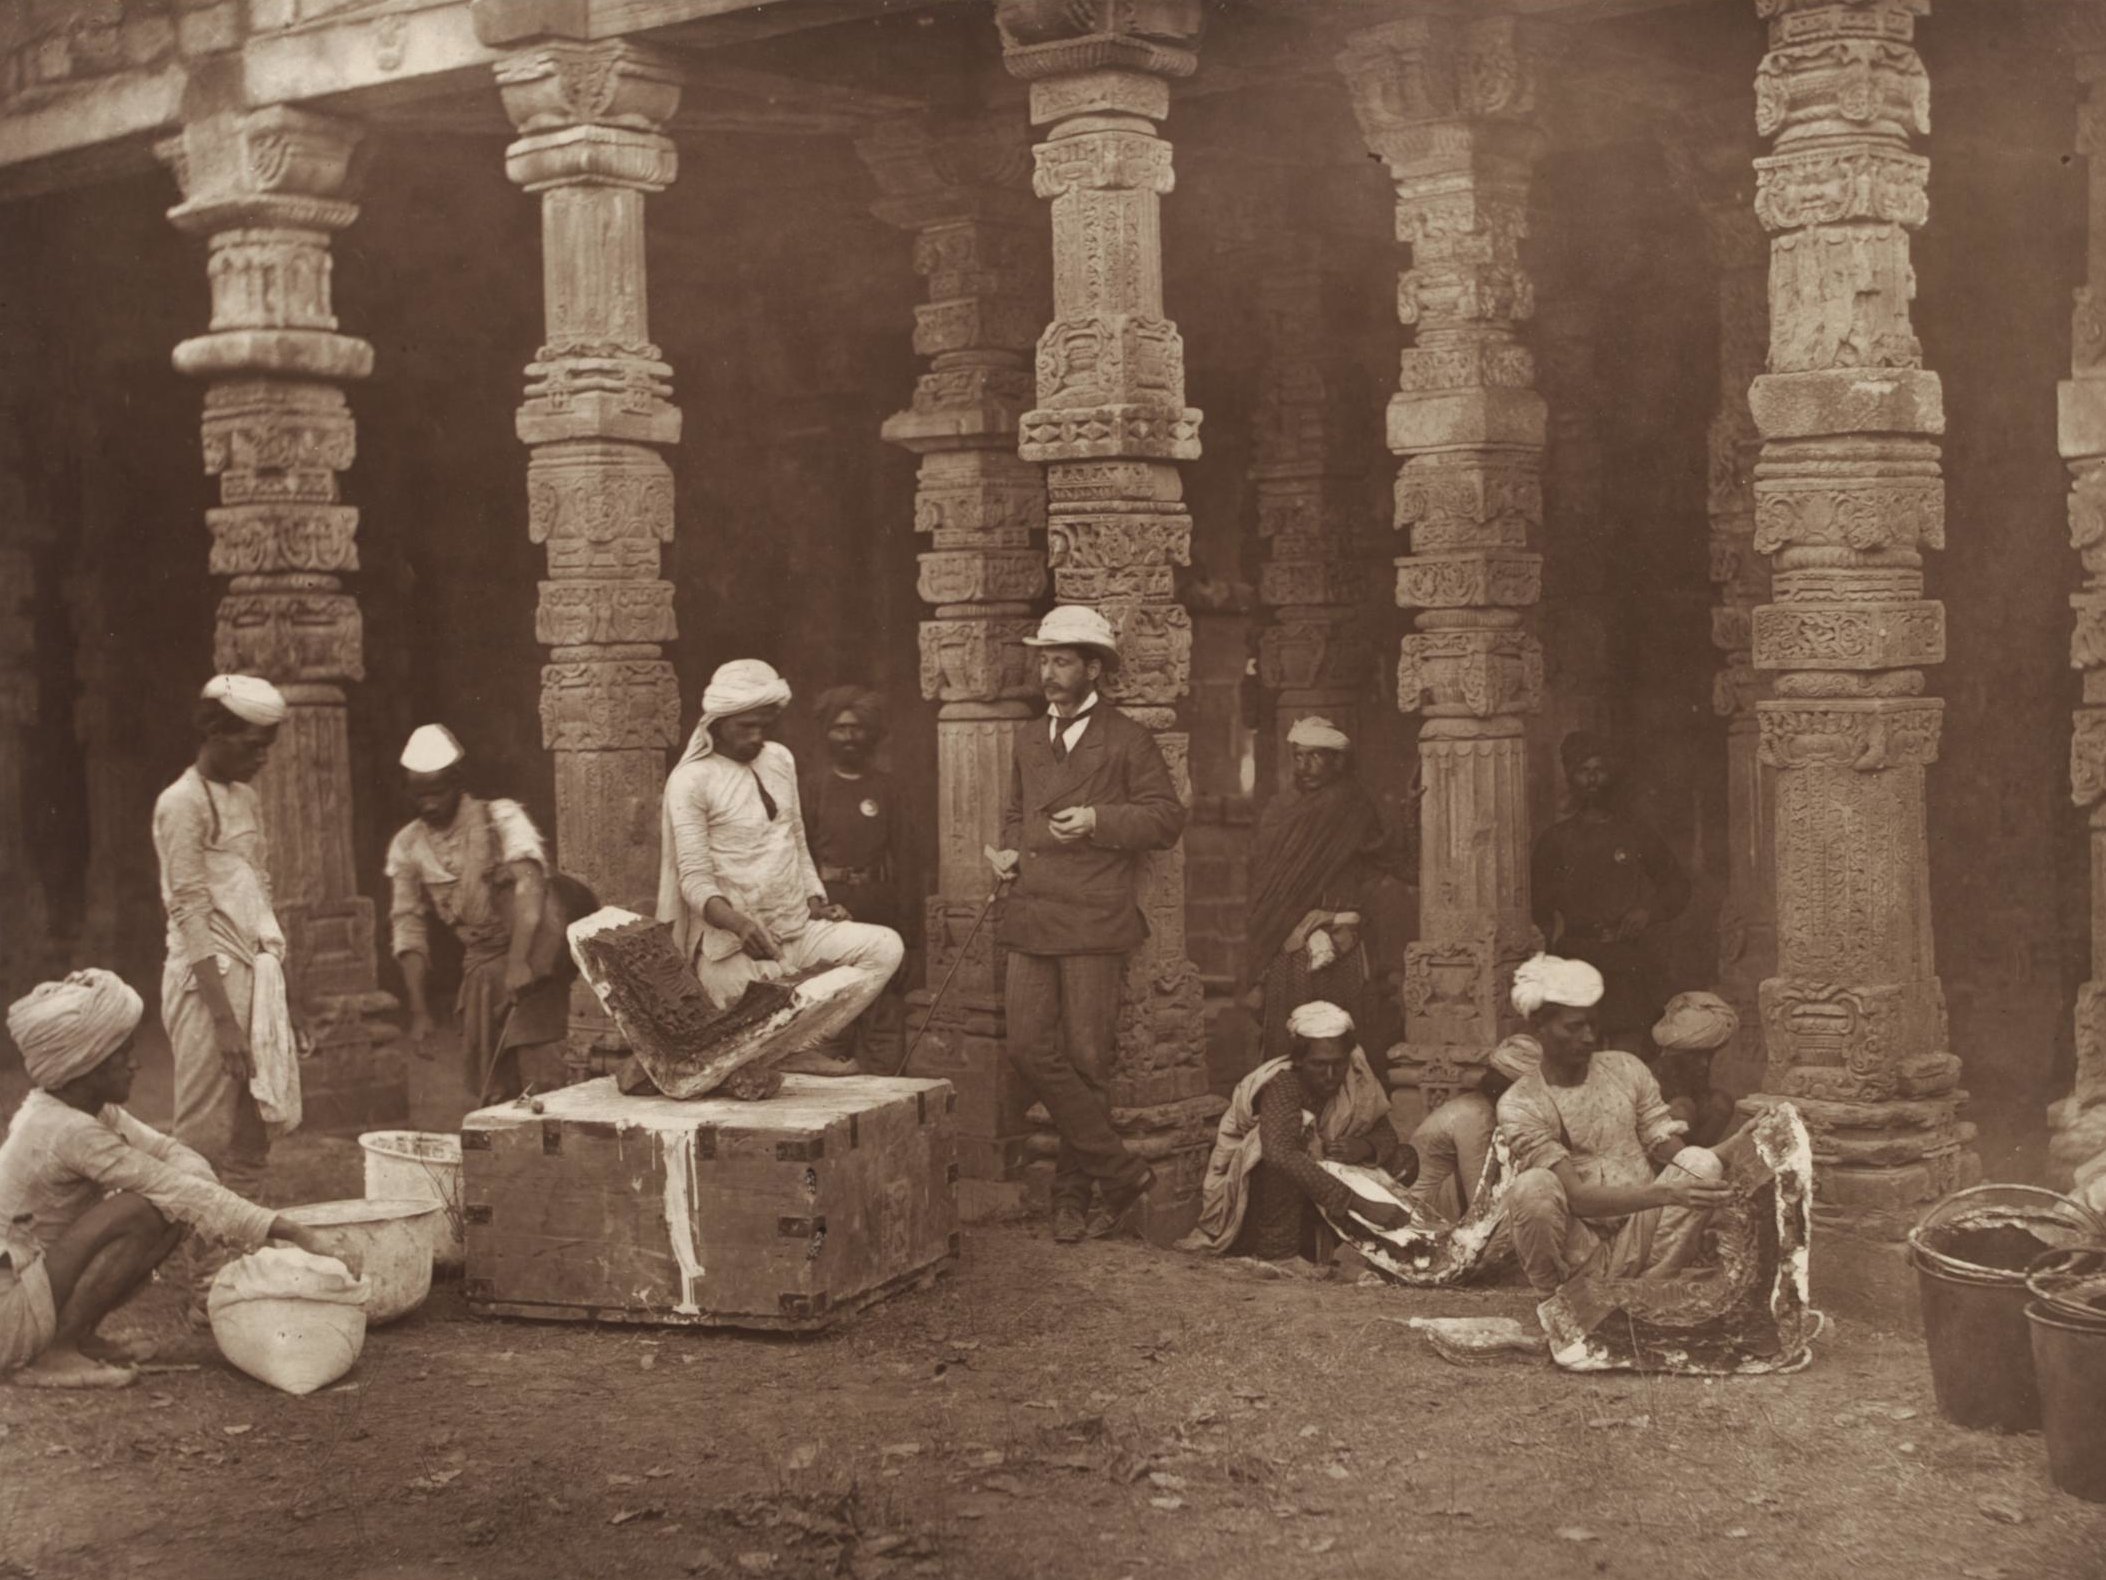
453 1208
2078 1261
2089 1218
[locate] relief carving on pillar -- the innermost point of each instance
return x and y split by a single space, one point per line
560 84
249 540
292 636
576 613
977 660
1478 673
601 705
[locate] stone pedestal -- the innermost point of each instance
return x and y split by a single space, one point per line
265 188
1109 427
1446 101
962 186
1708 152
599 494
2078 1149
1847 496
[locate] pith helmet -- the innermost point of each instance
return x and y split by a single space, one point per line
1077 625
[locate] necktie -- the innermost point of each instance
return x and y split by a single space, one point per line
1061 726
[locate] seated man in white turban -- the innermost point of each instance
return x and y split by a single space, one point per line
91 1200
736 876
223 994
1264 1192
481 869
1588 1131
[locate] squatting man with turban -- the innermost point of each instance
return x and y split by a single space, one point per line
482 869
223 993
1319 851
1588 1130
91 1199
1265 1188
737 880
1089 796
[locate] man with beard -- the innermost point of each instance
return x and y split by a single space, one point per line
482 869
1318 851
736 876
1089 796
852 822
1604 886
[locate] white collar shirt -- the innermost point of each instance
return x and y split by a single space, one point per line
1067 737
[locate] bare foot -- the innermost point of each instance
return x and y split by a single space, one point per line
66 1368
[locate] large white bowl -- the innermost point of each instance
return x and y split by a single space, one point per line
387 1243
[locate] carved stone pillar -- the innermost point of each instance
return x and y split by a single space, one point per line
2079 1144
1446 101
963 187
24 942
599 494
265 188
1708 154
1847 496
1110 425
1315 654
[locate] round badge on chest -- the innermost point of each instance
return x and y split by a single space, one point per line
870 807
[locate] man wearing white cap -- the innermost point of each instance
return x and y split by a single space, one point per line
1089 796
736 876
481 869
91 1200
223 998
1588 1130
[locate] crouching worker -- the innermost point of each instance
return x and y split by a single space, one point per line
1453 1141
92 1200
1588 1129
1265 1190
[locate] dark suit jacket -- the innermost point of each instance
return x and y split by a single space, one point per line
1082 899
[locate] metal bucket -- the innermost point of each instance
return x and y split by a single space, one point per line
420 1165
1971 1252
2069 1357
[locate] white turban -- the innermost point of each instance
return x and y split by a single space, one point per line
432 749
1697 1022
1545 979
1319 1019
1318 732
248 697
65 1029
737 687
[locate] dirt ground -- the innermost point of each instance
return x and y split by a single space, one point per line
1098 1411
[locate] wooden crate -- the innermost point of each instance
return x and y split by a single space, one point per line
778 1214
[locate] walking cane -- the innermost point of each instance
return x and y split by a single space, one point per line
929 1016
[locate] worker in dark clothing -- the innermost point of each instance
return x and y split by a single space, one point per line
1604 887
851 822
